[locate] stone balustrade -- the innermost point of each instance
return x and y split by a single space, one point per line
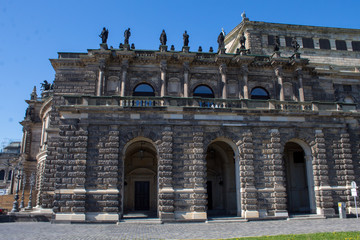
135 101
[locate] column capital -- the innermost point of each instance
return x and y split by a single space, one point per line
278 71
163 66
186 67
222 69
244 69
102 65
124 65
299 72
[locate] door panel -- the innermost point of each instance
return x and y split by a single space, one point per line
142 195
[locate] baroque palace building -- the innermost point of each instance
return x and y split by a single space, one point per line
266 127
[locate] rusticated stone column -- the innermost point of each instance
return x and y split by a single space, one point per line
277 167
278 73
247 177
245 73
222 69
186 79
199 178
324 200
301 87
70 176
124 68
344 165
163 67
165 167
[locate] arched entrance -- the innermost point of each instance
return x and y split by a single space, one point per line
299 178
140 179
222 180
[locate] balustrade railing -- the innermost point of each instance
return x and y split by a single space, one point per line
197 102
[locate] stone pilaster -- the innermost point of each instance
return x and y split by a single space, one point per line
100 82
124 68
245 73
247 177
186 79
222 69
277 167
165 173
163 67
301 87
324 200
279 73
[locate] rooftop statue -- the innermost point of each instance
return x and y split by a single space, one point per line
295 44
220 40
127 35
163 38
45 86
242 41
104 35
277 44
186 39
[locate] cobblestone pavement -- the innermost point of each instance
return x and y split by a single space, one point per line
33 230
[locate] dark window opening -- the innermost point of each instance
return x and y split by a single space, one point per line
9 176
2 174
144 90
356 46
259 93
347 88
271 40
340 45
299 157
308 42
203 91
324 44
288 41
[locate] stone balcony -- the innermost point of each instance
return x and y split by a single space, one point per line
209 103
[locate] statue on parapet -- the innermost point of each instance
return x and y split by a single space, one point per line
45 86
163 38
127 35
295 45
104 35
277 44
220 41
186 39
242 41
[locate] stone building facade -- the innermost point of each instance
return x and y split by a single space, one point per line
182 135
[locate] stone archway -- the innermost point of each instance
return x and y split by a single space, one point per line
222 179
299 177
140 185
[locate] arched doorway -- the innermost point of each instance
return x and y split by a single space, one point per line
299 178
140 179
222 180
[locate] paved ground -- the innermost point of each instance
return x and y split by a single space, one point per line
43 230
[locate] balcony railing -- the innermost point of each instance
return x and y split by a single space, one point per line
196 102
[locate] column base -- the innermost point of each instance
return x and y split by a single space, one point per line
191 216
250 214
281 213
70 217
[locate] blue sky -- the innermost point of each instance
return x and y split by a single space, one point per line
34 31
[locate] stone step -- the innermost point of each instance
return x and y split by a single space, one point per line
305 217
225 219
139 221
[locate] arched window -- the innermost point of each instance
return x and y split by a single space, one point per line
259 93
203 91
2 174
144 89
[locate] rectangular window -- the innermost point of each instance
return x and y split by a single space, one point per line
308 42
356 46
340 45
271 40
288 41
324 44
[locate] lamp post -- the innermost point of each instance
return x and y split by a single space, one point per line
16 197
23 190
32 183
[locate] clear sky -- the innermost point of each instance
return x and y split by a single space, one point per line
32 31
